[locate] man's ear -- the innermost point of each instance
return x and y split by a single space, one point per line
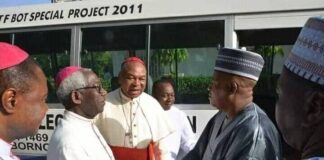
8 100
76 97
233 87
314 109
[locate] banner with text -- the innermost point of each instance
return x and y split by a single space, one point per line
81 12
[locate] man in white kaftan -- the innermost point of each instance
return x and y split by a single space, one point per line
76 137
133 123
183 139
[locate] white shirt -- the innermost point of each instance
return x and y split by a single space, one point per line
77 138
134 123
5 151
183 139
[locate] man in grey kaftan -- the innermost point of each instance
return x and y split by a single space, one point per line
240 130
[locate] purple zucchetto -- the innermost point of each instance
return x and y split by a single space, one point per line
11 55
65 73
239 62
307 56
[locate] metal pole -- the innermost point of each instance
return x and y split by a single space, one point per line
148 49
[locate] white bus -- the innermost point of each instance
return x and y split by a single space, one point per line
179 39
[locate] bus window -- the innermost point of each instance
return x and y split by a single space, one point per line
5 38
274 45
186 52
51 49
105 48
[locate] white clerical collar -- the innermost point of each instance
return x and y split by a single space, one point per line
124 98
75 117
5 148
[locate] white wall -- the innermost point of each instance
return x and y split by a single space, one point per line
274 20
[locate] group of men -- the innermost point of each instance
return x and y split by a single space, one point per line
128 124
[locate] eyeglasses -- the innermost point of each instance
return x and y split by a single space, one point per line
99 88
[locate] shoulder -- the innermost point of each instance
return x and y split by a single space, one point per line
66 148
177 115
256 131
262 120
176 111
112 102
251 117
112 96
61 141
65 139
255 121
114 92
64 133
148 97
151 103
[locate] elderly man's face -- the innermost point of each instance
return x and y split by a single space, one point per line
93 96
132 79
289 109
32 106
218 95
